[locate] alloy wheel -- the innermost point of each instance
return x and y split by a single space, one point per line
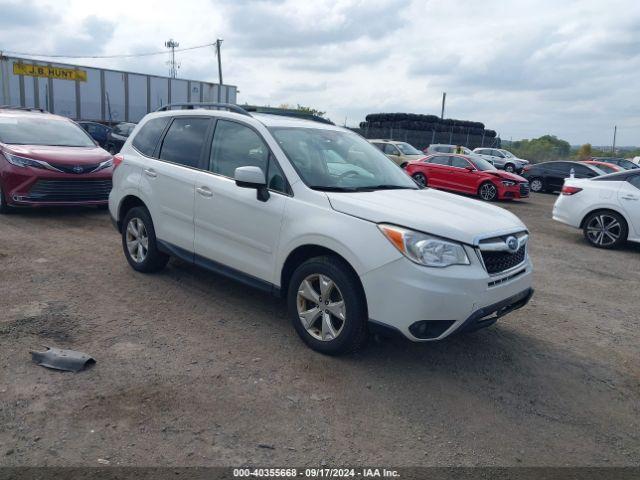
137 240
321 307
536 185
509 168
488 191
604 230
420 179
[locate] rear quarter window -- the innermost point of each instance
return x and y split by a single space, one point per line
147 138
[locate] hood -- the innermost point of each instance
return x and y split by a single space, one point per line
430 211
415 157
61 155
505 175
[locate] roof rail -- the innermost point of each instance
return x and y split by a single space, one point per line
193 105
27 109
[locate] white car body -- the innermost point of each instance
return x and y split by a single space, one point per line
207 219
614 192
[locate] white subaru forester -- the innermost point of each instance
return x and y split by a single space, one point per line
316 213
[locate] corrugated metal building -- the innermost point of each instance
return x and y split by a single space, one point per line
99 94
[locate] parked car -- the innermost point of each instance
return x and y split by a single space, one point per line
445 148
117 136
502 159
621 162
549 176
254 197
49 160
468 174
606 208
604 166
98 131
400 152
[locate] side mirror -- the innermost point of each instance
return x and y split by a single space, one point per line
252 177
470 169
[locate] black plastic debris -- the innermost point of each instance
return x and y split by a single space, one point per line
58 359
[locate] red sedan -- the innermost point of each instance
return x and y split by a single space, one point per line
468 174
48 160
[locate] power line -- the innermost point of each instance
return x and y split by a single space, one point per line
127 55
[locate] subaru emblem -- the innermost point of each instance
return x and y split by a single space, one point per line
78 169
512 244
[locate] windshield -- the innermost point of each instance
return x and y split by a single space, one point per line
339 161
407 149
507 154
43 131
481 164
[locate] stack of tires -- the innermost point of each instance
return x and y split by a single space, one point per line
424 130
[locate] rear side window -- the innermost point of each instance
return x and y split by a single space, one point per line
379 145
184 141
236 145
147 138
635 181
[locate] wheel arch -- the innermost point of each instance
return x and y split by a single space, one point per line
606 209
127 203
303 253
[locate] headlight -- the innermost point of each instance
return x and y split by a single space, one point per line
105 164
425 249
24 162
508 183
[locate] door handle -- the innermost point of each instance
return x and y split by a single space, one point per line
150 172
204 191
629 197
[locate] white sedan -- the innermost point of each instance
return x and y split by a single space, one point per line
606 208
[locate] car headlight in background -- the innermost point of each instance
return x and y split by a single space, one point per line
425 249
103 165
27 162
508 183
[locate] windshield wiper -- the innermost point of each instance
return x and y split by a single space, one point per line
384 187
327 188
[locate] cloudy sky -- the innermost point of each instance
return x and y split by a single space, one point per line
524 68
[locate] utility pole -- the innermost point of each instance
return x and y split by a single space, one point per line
172 44
613 148
444 98
218 45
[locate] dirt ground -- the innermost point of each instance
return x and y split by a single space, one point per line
194 369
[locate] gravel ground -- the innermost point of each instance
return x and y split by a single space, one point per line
194 369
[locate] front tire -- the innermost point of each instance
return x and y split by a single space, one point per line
139 242
488 192
509 167
420 179
605 229
327 306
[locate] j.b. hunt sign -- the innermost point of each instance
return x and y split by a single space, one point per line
44 71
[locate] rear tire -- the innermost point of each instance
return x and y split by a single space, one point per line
139 242
336 324
536 185
605 229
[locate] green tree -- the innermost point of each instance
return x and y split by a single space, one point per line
547 147
584 153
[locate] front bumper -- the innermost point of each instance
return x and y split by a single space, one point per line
519 190
31 187
402 293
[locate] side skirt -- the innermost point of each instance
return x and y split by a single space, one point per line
218 268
